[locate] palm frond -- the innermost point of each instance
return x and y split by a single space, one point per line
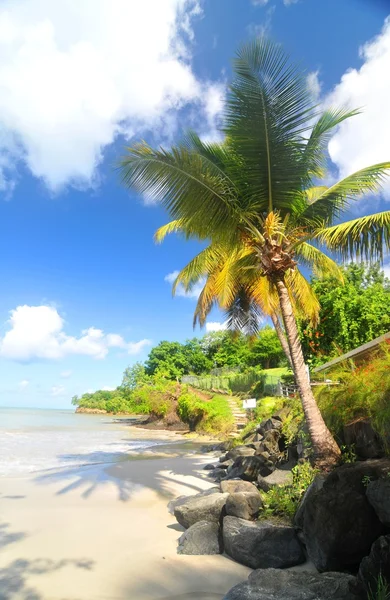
188 185
268 108
302 296
314 156
365 237
320 264
172 227
244 315
336 198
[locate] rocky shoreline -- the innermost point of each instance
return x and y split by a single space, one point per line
342 525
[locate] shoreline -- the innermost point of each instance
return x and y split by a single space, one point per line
104 531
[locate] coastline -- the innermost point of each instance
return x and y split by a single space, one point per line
103 531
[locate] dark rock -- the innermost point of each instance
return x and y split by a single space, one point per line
314 487
272 423
274 584
201 507
271 441
217 474
365 440
257 446
203 537
232 486
378 495
262 484
245 505
239 451
209 467
250 467
338 522
223 458
226 464
261 544
249 434
376 564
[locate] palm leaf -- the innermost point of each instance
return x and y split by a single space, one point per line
335 199
268 108
317 261
364 237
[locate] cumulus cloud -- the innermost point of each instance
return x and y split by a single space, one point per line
36 332
23 384
215 326
75 75
180 291
364 140
290 2
314 84
259 2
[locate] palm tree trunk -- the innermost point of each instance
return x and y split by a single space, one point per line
325 448
282 338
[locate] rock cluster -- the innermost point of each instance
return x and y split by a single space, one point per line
342 524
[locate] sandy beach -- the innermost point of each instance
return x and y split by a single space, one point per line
104 532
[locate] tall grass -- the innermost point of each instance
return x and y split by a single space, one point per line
363 393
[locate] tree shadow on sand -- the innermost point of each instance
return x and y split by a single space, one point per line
8 537
13 578
128 475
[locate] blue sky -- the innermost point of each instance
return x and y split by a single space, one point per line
84 290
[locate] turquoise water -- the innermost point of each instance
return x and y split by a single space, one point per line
37 439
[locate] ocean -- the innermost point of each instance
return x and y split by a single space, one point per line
33 440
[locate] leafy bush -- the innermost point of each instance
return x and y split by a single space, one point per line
283 500
208 416
363 393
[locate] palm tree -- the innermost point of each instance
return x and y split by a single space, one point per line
257 196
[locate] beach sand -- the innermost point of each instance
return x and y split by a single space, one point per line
104 532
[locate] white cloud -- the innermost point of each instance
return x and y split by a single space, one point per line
259 2
364 140
57 390
108 388
23 384
65 374
180 291
215 326
314 84
75 75
290 2
36 332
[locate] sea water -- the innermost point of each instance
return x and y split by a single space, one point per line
34 440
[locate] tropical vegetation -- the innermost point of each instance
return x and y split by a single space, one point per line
352 313
258 199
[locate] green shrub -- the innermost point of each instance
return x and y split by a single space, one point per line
283 500
381 591
207 416
363 393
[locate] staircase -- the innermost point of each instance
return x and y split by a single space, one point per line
239 414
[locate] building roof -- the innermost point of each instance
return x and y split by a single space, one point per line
358 353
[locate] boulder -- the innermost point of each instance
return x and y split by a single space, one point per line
225 465
239 451
268 424
209 467
250 467
181 499
378 495
217 474
263 484
271 442
339 525
231 486
365 440
245 505
376 564
313 488
201 507
261 544
204 537
273 584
